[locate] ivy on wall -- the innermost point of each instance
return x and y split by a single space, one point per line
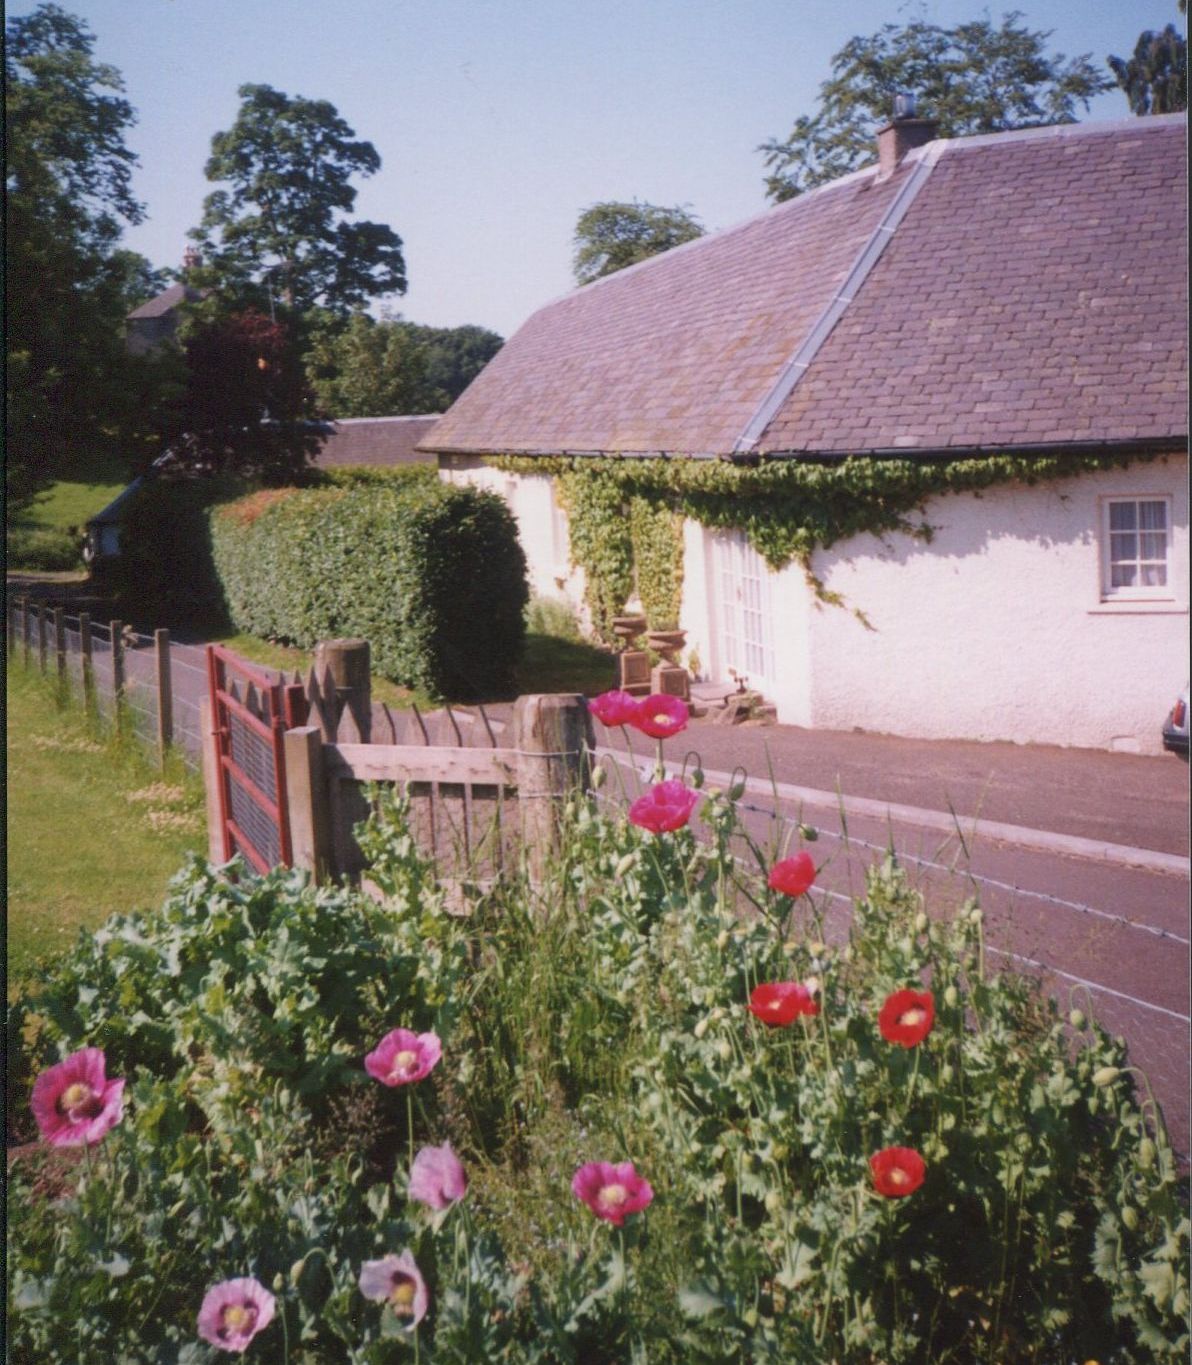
787 508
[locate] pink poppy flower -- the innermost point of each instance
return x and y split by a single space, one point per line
666 807
611 1192
614 708
779 1003
906 1017
397 1281
897 1171
73 1102
402 1057
793 876
660 716
234 1312
437 1177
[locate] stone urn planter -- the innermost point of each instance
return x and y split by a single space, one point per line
667 643
627 629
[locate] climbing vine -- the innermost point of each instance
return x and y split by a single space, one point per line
786 508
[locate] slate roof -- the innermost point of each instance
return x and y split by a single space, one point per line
1019 289
376 441
165 302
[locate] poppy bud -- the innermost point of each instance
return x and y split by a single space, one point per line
816 949
946 1074
722 939
697 778
736 791
976 917
920 922
773 1201
749 1317
278 1283
295 1273
626 863
599 776
951 996
1076 1018
700 1028
1106 1075
724 1050
808 833
1130 1217
1146 1154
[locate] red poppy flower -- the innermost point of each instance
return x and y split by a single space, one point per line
666 807
781 1002
793 876
897 1171
614 708
906 1017
660 716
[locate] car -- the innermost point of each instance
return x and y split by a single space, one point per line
1175 728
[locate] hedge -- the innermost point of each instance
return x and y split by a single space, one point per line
432 576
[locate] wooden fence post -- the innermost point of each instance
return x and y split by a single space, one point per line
117 630
211 779
552 735
165 698
41 636
88 671
306 797
60 645
26 630
343 670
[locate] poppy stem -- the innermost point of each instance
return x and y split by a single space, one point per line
910 1090
410 1127
659 770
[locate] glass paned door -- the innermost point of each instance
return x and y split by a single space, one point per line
744 619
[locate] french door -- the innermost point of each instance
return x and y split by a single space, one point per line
744 619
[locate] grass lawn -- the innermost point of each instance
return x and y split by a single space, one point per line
92 828
71 500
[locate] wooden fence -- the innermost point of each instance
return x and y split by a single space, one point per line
482 790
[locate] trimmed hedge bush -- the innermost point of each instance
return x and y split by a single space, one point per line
432 576
45 548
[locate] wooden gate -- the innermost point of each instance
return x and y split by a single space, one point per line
250 715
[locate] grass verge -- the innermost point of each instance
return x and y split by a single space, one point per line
93 827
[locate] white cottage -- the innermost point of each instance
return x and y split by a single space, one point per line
1018 294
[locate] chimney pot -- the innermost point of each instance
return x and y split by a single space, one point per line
191 258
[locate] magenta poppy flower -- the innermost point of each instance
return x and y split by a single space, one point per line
611 1192
234 1312
614 708
74 1103
666 807
437 1177
779 1003
397 1281
793 876
402 1057
660 716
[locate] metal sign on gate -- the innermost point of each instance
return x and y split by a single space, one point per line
250 713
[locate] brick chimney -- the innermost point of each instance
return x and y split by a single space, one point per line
902 134
191 258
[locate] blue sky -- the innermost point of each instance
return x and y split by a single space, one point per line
498 121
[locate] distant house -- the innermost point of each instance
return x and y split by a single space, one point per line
156 321
383 441
1023 292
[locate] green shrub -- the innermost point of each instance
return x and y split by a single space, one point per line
45 548
432 576
600 1015
552 616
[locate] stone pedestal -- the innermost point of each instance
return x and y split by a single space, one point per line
671 681
633 672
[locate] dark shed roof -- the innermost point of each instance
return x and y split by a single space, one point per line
376 441
1023 288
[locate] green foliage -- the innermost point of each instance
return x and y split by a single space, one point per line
373 476
611 236
432 576
788 509
282 224
72 390
42 547
972 78
553 616
454 357
366 368
1155 79
656 532
599 1014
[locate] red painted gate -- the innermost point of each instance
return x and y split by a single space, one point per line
251 713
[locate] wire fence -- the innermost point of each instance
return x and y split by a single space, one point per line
140 684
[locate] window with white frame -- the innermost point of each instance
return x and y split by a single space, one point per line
1136 545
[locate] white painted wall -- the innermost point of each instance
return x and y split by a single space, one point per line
997 628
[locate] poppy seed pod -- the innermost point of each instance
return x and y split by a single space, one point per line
1106 1075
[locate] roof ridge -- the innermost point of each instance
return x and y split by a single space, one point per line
923 161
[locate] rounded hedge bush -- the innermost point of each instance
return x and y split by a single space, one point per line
432 576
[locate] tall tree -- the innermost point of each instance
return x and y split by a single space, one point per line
609 236
972 78
368 369
1155 79
69 189
281 228
454 357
